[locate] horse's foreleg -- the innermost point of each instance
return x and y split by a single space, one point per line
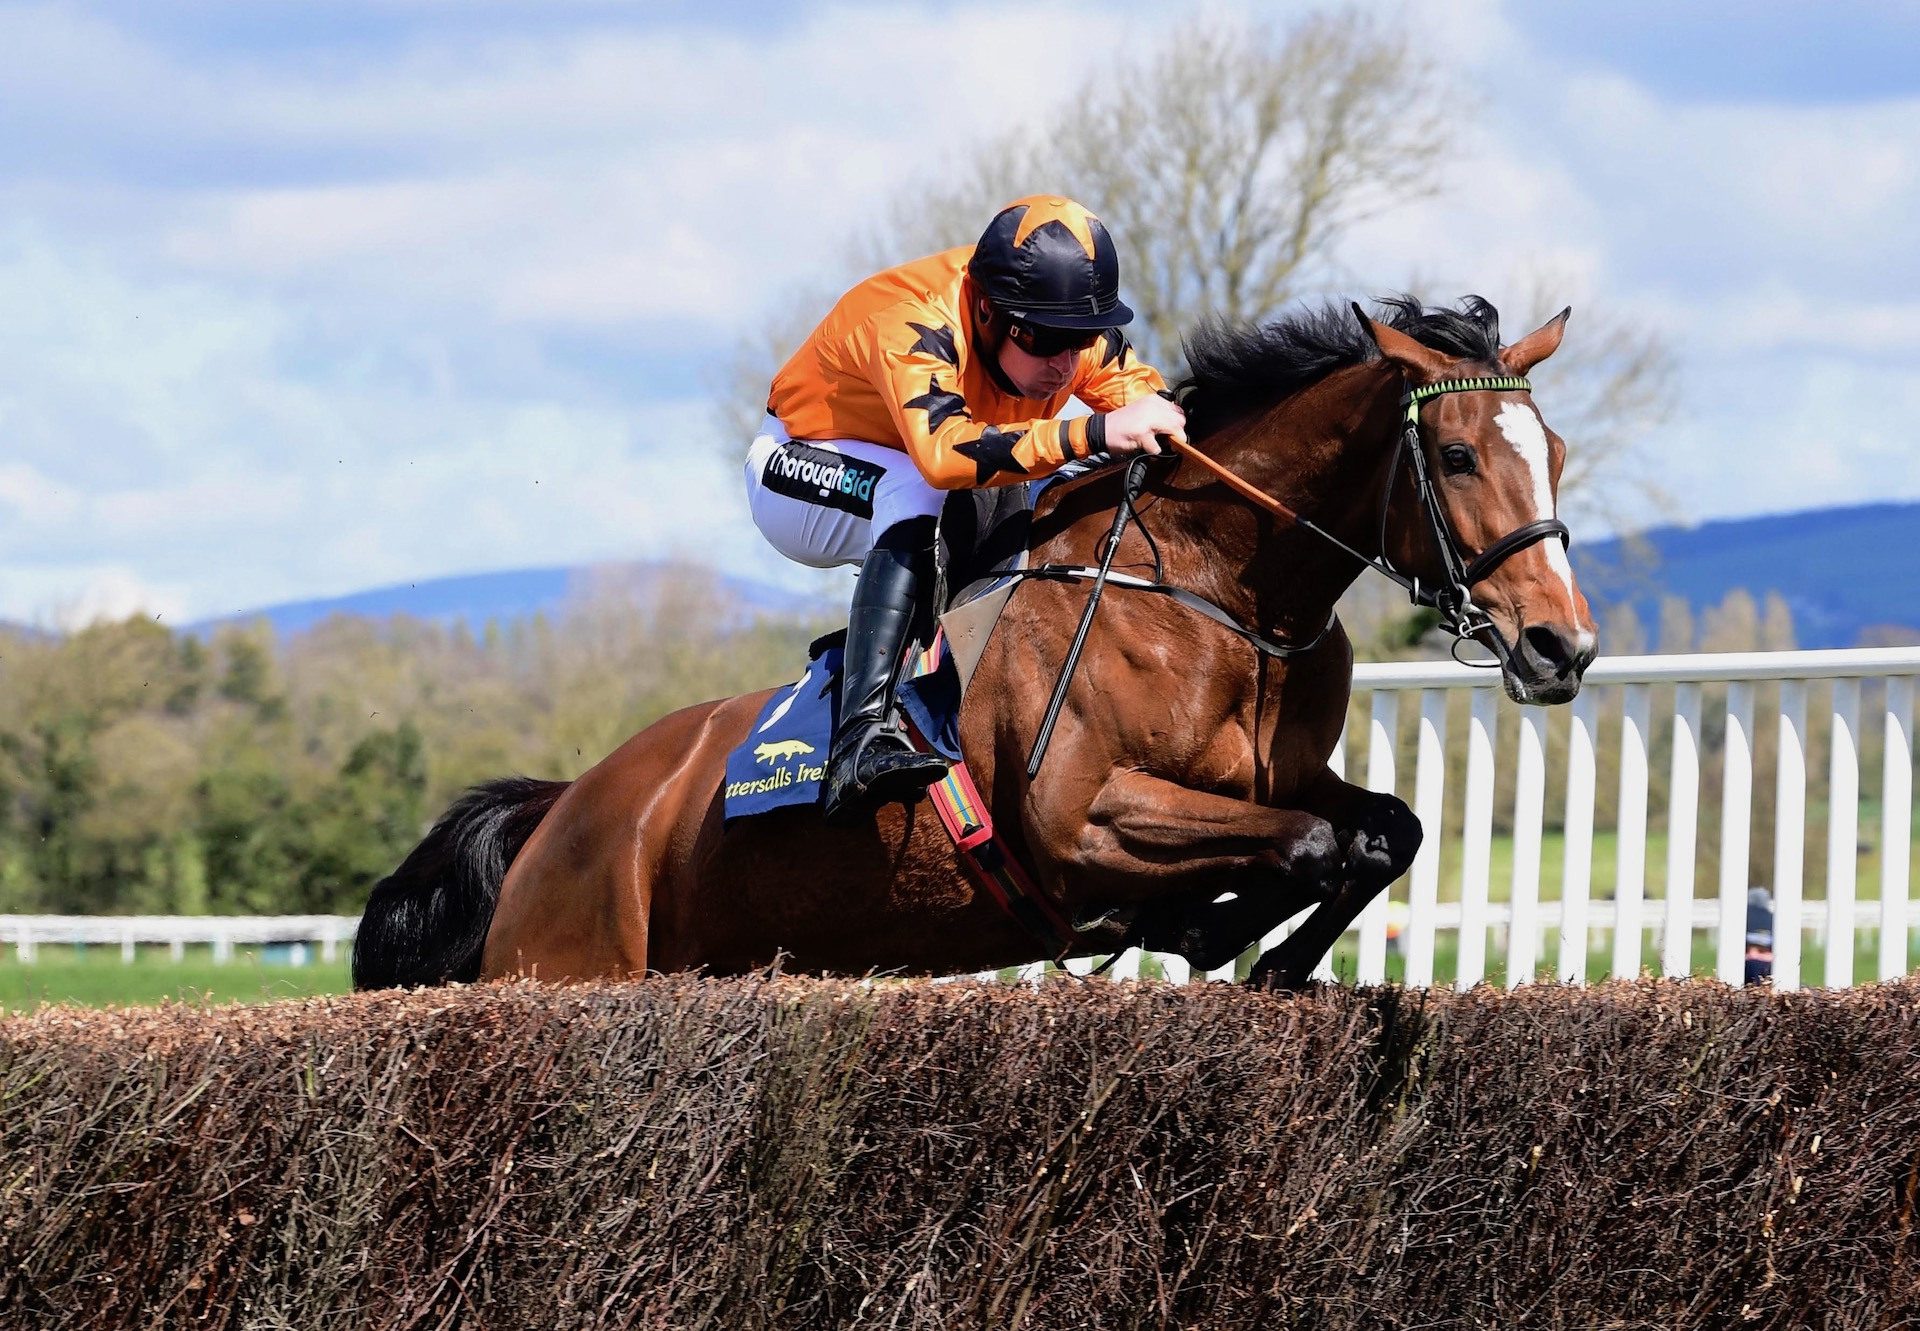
1174 850
1379 837
1143 837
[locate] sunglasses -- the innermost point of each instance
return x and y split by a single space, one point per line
1046 343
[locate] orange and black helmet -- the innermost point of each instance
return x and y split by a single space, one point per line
1048 262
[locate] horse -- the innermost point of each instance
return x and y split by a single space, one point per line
1186 803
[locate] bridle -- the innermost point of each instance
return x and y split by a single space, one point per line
1451 598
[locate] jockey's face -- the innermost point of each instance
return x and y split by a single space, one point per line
1035 376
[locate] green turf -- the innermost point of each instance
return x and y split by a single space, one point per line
1600 959
96 977
1604 859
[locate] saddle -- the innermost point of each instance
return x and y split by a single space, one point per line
982 539
982 535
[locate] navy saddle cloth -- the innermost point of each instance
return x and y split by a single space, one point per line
982 536
783 761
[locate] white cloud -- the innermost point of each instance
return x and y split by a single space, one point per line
74 597
285 326
236 456
588 176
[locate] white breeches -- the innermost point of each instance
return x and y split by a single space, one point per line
825 502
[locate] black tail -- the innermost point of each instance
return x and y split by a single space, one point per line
426 922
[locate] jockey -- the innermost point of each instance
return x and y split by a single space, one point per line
942 374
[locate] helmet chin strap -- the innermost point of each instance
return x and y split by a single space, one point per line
990 327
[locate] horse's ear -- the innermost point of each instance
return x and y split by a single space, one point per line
1420 362
1536 346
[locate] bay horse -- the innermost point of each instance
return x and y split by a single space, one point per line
1186 803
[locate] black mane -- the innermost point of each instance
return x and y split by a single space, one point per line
1237 369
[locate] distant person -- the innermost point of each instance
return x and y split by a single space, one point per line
1759 969
946 373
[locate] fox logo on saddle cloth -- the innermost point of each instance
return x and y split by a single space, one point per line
778 752
945 373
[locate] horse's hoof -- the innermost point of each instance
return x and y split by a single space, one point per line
1280 982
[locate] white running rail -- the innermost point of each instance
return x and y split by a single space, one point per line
326 933
1703 732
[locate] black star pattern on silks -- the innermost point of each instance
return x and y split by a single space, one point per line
939 404
1117 348
992 452
936 342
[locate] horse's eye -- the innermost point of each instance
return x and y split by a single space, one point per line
1458 459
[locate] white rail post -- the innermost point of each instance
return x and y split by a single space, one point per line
222 946
1789 834
1683 819
1529 818
1630 882
1896 827
1576 881
1477 850
1430 806
176 947
23 946
1382 729
126 946
329 941
1843 832
1736 829
1174 967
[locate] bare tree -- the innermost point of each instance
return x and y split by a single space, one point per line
1227 166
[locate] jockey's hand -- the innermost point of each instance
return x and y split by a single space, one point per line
1135 427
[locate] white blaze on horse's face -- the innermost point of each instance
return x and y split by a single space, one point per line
1521 426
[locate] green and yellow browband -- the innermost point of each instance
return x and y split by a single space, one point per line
1499 383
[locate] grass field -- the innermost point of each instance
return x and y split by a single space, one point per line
1446 961
1605 855
96 977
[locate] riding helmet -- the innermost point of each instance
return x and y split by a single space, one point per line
1047 261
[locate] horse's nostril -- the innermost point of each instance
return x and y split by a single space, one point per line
1550 649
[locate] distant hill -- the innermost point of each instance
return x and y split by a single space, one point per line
514 594
1844 572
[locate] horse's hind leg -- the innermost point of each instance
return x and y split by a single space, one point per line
1209 934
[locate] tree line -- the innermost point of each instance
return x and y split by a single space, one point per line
147 771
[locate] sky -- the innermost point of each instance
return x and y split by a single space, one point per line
297 300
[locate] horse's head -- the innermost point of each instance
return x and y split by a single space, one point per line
1494 467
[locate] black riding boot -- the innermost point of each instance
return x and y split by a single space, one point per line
871 762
